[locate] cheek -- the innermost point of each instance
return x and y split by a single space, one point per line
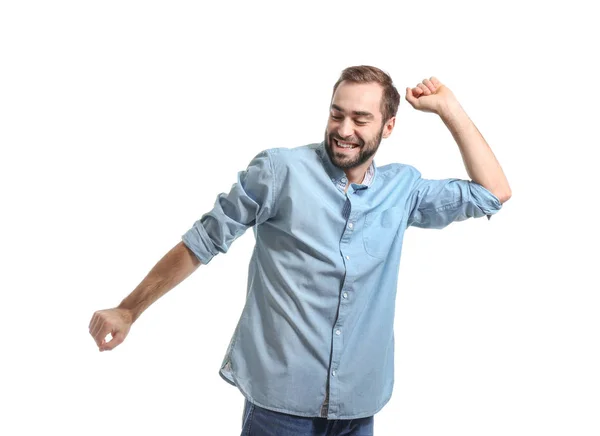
373 134
331 129
362 133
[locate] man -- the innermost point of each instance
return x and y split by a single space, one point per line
313 352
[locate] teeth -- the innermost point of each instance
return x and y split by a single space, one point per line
345 145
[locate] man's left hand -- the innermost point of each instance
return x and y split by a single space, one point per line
430 96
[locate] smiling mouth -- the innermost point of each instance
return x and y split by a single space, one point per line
345 145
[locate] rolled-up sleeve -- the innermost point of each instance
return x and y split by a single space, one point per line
249 202
436 203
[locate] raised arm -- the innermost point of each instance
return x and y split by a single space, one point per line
479 160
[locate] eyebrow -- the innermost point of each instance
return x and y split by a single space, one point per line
358 113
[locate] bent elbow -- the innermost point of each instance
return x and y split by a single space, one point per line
504 197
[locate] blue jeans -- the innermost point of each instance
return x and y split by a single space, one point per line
263 422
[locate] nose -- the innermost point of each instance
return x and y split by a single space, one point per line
345 128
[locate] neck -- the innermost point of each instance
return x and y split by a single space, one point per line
357 174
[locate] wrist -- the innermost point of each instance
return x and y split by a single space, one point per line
449 109
128 313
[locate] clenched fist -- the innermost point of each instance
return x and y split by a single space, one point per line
430 96
115 321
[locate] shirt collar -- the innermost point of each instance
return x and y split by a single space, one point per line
338 175
370 175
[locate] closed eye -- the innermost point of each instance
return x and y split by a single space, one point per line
359 123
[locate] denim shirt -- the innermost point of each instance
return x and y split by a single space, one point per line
315 337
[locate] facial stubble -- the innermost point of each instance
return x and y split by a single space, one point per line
367 150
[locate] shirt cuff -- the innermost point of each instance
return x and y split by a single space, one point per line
197 240
485 199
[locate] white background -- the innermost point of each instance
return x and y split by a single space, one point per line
120 122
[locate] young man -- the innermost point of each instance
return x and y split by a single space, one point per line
313 352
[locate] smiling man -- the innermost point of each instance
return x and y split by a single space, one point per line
356 124
313 351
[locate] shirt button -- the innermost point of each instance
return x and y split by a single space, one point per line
338 332
350 225
333 373
347 257
345 295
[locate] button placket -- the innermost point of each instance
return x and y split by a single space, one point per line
348 238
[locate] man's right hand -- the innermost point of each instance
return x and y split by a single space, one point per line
115 321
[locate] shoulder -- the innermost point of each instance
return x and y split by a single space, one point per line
300 152
395 171
283 157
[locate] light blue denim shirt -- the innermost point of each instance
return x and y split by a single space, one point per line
315 337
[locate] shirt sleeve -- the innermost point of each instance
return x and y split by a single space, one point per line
436 203
248 203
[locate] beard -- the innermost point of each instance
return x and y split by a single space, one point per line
365 150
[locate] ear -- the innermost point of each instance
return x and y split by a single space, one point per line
388 127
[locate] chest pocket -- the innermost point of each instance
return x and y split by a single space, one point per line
380 230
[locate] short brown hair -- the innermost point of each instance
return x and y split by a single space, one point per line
367 74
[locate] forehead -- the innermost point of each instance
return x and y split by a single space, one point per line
359 97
